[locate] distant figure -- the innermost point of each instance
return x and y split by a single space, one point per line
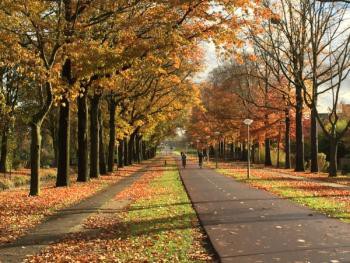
200 159
183 158
205 156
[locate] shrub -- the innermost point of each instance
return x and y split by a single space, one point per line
20 180
345 169
5 184
323 164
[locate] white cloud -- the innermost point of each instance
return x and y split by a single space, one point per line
210 61
325 100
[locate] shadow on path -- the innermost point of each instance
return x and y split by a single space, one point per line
245 224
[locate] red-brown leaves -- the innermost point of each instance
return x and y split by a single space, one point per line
20 212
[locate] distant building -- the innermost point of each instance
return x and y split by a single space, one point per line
343 111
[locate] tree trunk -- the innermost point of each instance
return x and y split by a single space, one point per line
121 154
232 151
135 159
83 151
4 151
35 150
333 158
287 141
138 148
102 158
278 152
314 142
299 155
131 146
64 145
252 156
144 150
244 153
55 150
63 160
126 155
94 138
224 149
268 161
35 146
112 135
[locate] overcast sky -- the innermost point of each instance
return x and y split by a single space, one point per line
211 61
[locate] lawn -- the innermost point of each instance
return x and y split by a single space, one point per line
20 212
334 202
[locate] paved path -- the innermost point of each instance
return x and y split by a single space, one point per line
66 221
249 225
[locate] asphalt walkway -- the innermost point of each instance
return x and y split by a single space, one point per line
67 221
249 225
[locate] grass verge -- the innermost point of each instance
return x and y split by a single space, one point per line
328 200
168 223
159 225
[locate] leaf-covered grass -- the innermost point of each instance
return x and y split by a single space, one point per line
159 225
21 177
331 201
20 212
168 219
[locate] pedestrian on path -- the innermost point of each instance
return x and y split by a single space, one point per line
183 158
200 159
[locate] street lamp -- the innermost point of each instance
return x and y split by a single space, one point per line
248 122
216 152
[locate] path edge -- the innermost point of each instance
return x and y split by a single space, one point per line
216 254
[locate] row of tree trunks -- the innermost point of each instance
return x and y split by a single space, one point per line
130 150
239 153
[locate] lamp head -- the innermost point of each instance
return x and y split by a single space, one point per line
248 122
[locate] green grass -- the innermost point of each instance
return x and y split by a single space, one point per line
164 226
327 205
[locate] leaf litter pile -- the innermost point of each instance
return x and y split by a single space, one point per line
158 225
20 212
334 202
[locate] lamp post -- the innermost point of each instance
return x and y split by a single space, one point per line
248 122
216 151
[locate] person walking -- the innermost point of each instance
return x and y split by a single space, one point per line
183 159
200 159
